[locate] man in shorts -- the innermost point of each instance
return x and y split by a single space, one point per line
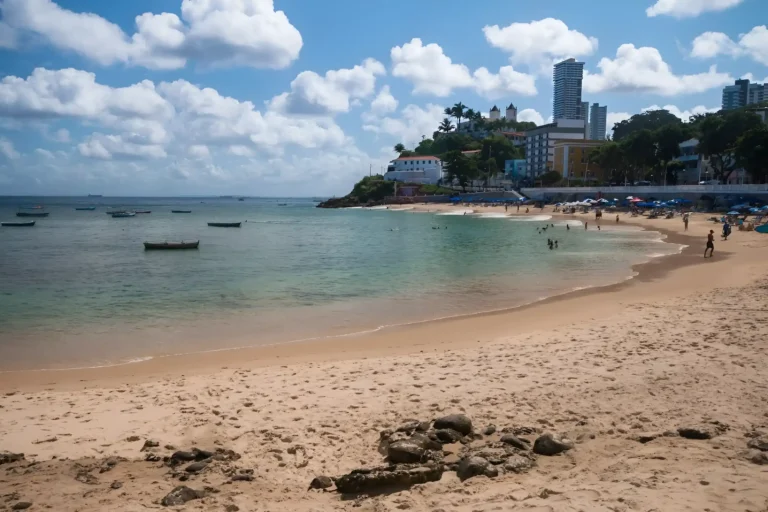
710 244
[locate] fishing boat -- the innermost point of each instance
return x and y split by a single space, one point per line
224 224
282 204
120 215
95 195
241 199
86 208
32 214
18 224
181 211
143 211
168 246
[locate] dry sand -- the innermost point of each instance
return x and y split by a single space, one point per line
683 343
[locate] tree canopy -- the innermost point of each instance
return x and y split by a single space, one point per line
648 120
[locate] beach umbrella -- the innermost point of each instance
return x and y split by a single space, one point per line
733 212
629 197
636 200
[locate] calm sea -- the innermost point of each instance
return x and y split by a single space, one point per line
78 289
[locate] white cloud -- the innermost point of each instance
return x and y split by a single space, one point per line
433 72
539 43
313 94
8 38
643 70
107 147
45 153
8 150
200 151
615 117
688 8
210 32
530 115
685 115
61 135
384 102
753 44
240 150
413 123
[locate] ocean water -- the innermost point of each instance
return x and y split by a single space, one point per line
78 289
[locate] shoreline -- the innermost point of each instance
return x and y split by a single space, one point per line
356 344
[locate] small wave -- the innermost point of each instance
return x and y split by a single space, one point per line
376 208
407 208
94 367
495 215
531 218
458 212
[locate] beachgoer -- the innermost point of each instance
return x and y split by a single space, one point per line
526 210
568 227
598 227
506 207
585 225
617 219
685 221
518 208
710 243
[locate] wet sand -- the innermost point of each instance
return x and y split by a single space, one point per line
682 343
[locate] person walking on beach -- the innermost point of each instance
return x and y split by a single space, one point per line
685 221
585 225
710 243
617 218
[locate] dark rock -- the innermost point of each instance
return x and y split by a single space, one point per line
697 432
518 464
409 426
180 495
475 466
181 456
513 440
489 430
231 508
458 422
202 454
133 439
321 482
758 457
22 505
646 437
196 467
116 485
152 457
406 451
149 444
9 457
448 436
551 444
86 477
242 478
382 478
497 454
759 443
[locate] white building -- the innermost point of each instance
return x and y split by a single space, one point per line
424 170
494 114
540 143
511 113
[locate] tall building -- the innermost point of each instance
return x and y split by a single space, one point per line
597 122
567 79
511 113
743 93
495 113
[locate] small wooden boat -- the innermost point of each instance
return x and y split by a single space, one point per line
181 211
32 214
121 215
143 211
18 224
224 224
168 246
86 208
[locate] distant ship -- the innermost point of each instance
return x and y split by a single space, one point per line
95 195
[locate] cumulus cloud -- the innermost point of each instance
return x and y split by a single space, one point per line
540 43
530 115
312 94
433 72
8 150
685 115
45 153
209 32
688 8
409 127
615 117
753 44
643 70
384 102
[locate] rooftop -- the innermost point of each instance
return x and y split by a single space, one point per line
418 157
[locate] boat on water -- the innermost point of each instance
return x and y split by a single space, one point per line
282 204
120 215
32 214
241 199
143 211
86 208
224 224
169 246
95 195
181 211
18 224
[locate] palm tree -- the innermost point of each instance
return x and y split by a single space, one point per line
456 111
446 126
399 148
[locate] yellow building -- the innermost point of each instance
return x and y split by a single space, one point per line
572 159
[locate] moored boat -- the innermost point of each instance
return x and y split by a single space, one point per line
181 211
120 215
18 224
32 214
224 224
171 245
143 211
86 208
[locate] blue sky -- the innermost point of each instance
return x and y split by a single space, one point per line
293 97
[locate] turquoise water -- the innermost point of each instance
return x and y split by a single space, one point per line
78 289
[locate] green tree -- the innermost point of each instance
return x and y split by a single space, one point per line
649 120
718 136
673 168
611 159
460 168
667 140
752 153
456 111
639 153
549 178
399 148
446 126
425 147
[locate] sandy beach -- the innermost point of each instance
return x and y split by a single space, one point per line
629 373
